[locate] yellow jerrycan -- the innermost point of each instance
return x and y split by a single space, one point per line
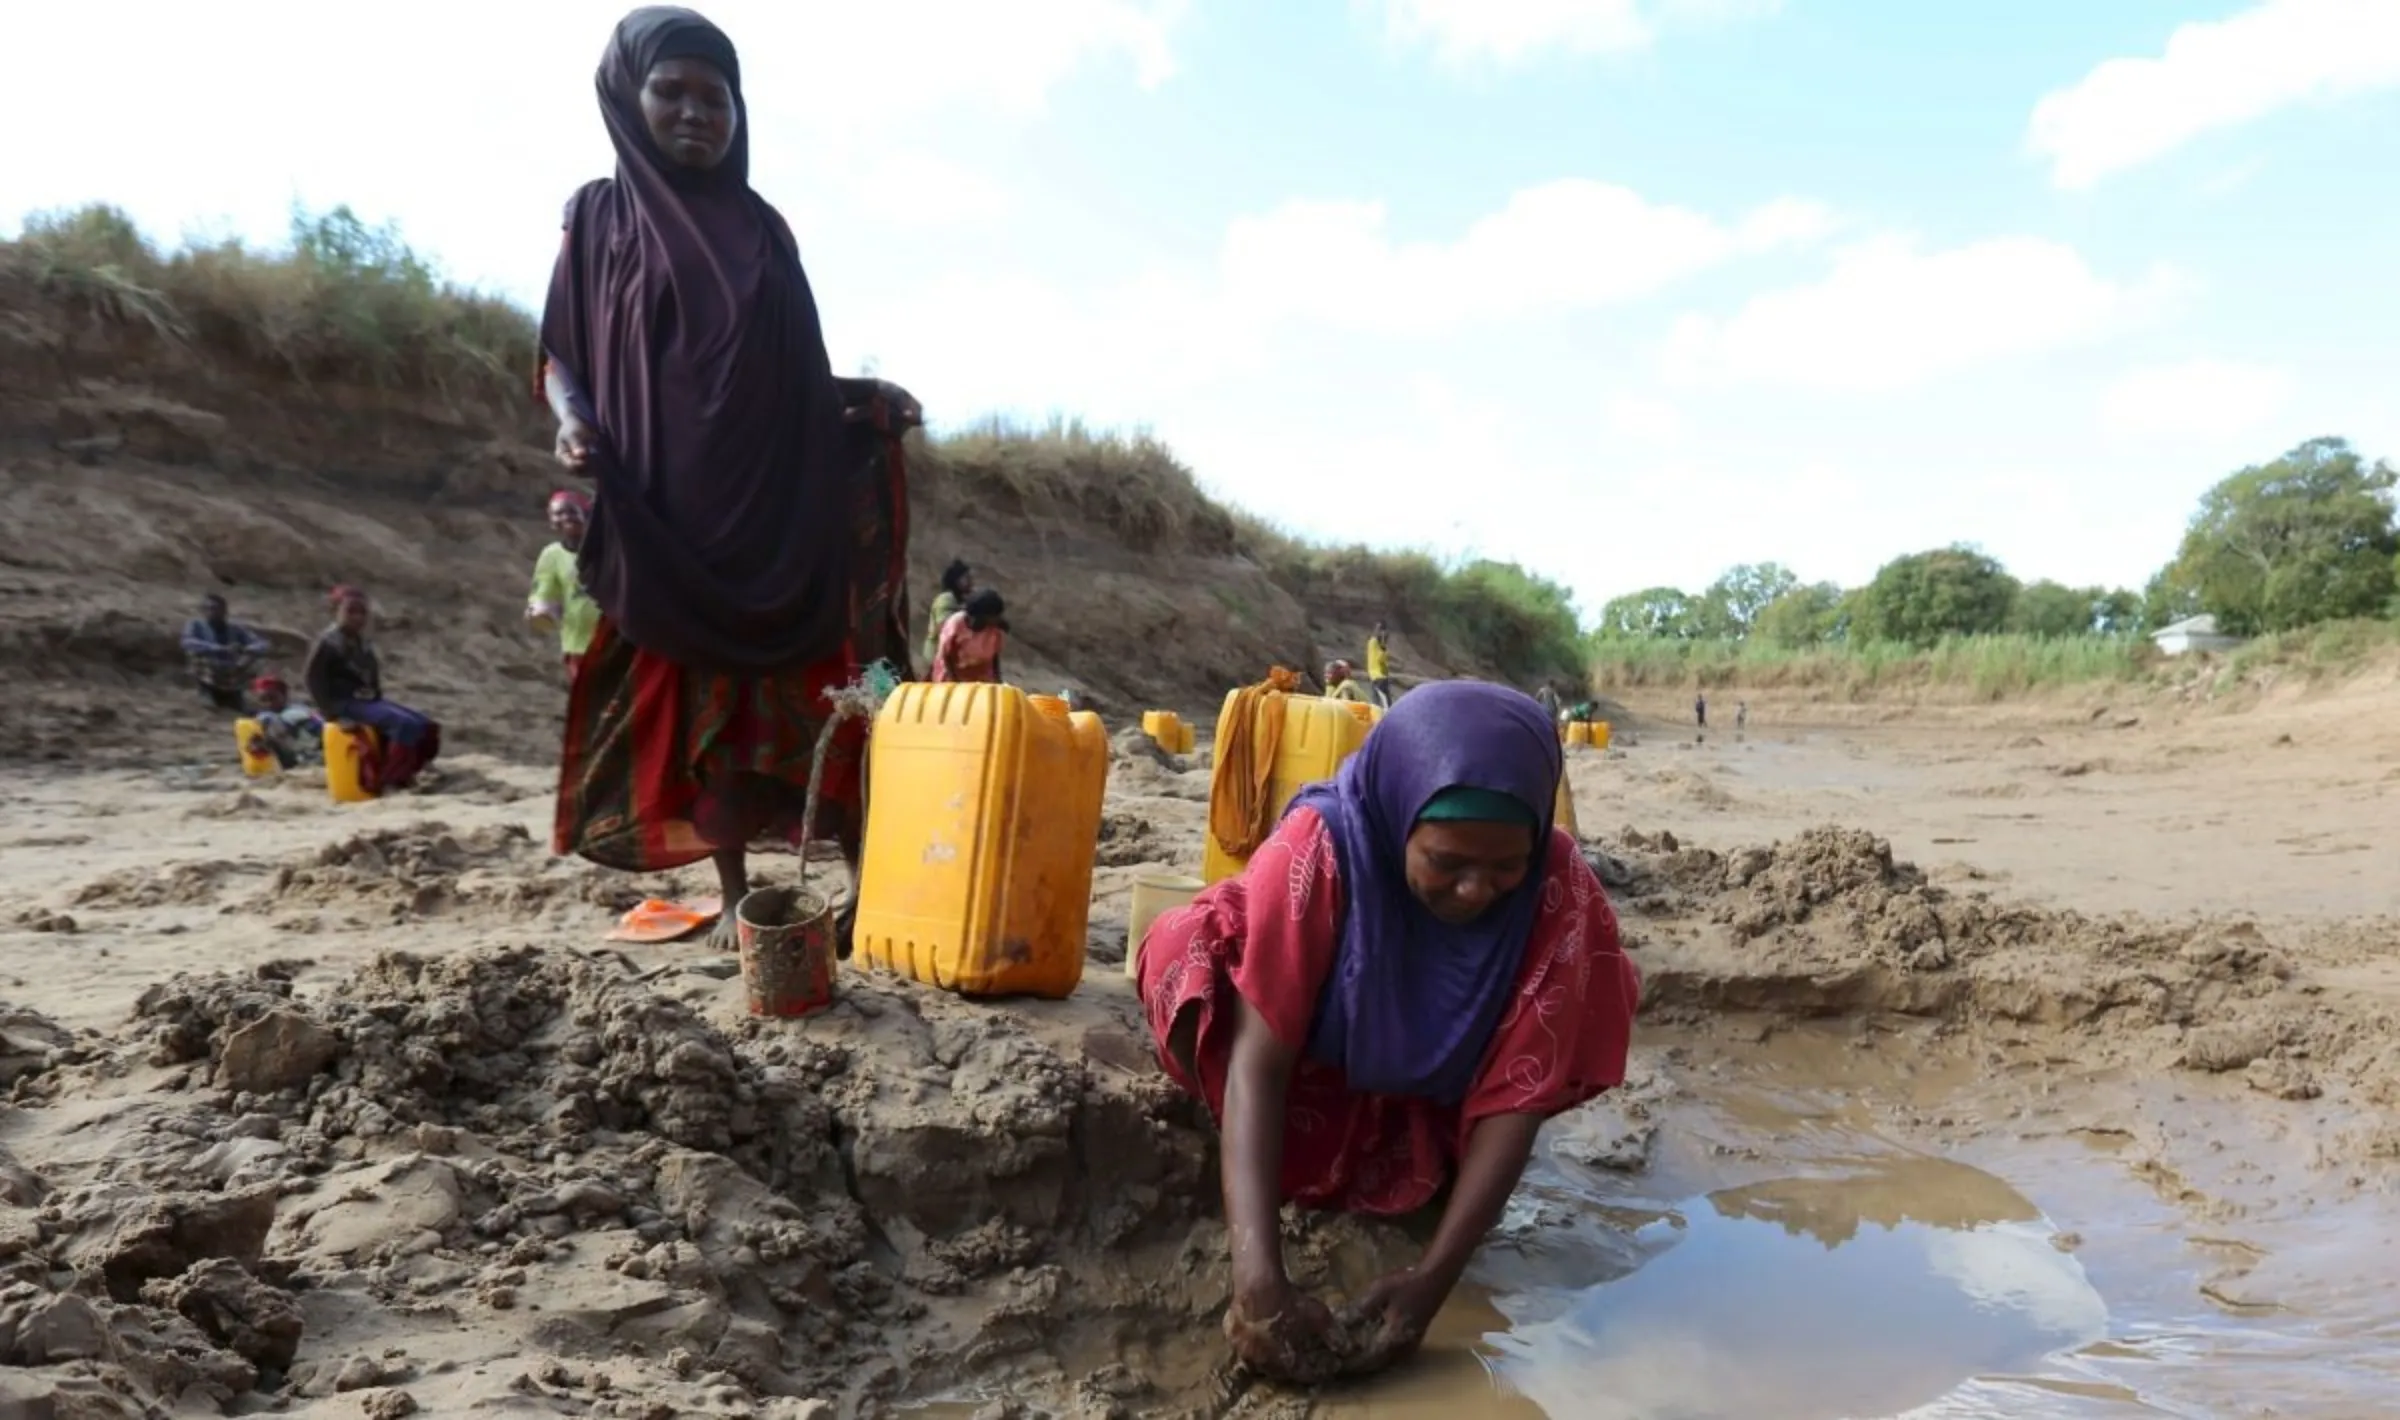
250 739
347 755
1318 734
1578 733
1600 730
983 820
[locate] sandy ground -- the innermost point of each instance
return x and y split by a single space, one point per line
333 1112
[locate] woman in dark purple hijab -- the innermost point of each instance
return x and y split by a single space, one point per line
683 358
1413 972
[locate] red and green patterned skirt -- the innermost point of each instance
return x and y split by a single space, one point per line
665 765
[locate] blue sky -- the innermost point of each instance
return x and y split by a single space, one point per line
1627 290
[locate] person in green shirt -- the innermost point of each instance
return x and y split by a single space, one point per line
958 584
1379 663
558 600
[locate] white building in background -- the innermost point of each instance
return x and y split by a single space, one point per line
2194 633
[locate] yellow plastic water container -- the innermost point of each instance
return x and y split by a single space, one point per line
1579 734
1153 897
347 754
1164 726
258 757
983 820
1187 738
1599 730
1318 734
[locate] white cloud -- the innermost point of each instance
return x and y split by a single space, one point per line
1889 316
2213 75
1643 419
1567 244
2225 182
918 189
476 148
1306 272
1511 31
2202 400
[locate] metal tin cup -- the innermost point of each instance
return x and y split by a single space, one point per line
786 938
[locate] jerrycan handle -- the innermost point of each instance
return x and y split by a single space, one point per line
1051 705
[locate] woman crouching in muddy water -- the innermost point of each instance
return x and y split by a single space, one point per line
686 365
1414 972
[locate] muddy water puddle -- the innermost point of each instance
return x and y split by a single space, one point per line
1826 1231
1839 1227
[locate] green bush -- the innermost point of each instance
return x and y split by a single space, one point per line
342 304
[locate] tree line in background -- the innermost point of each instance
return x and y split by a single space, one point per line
2307 538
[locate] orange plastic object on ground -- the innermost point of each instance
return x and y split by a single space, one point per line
347 754
983 820
657 919
1318 734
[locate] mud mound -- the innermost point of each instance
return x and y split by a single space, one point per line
1128 838
583 1167
1829 922
180 884
428 870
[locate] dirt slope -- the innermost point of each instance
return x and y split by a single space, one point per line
136 479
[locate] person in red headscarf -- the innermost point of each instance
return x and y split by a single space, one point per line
293 732
558 601
747 538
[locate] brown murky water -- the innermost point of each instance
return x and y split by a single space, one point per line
1796 1253
1840 1227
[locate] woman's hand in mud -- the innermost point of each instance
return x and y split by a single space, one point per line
574 442
1401 1308
1279 1330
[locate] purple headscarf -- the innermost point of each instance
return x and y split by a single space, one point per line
685 329
1412 1002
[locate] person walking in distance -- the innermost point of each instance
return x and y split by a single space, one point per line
558 601
1379 663
1700 709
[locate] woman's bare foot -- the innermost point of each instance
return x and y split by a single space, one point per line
733 884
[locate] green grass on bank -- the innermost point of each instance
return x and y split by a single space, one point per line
1984 667
344 304
1132 487
1521 624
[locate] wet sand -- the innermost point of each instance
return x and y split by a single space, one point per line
1958 1141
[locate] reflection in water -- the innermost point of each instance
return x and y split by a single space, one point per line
1872 1291
1887 1191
